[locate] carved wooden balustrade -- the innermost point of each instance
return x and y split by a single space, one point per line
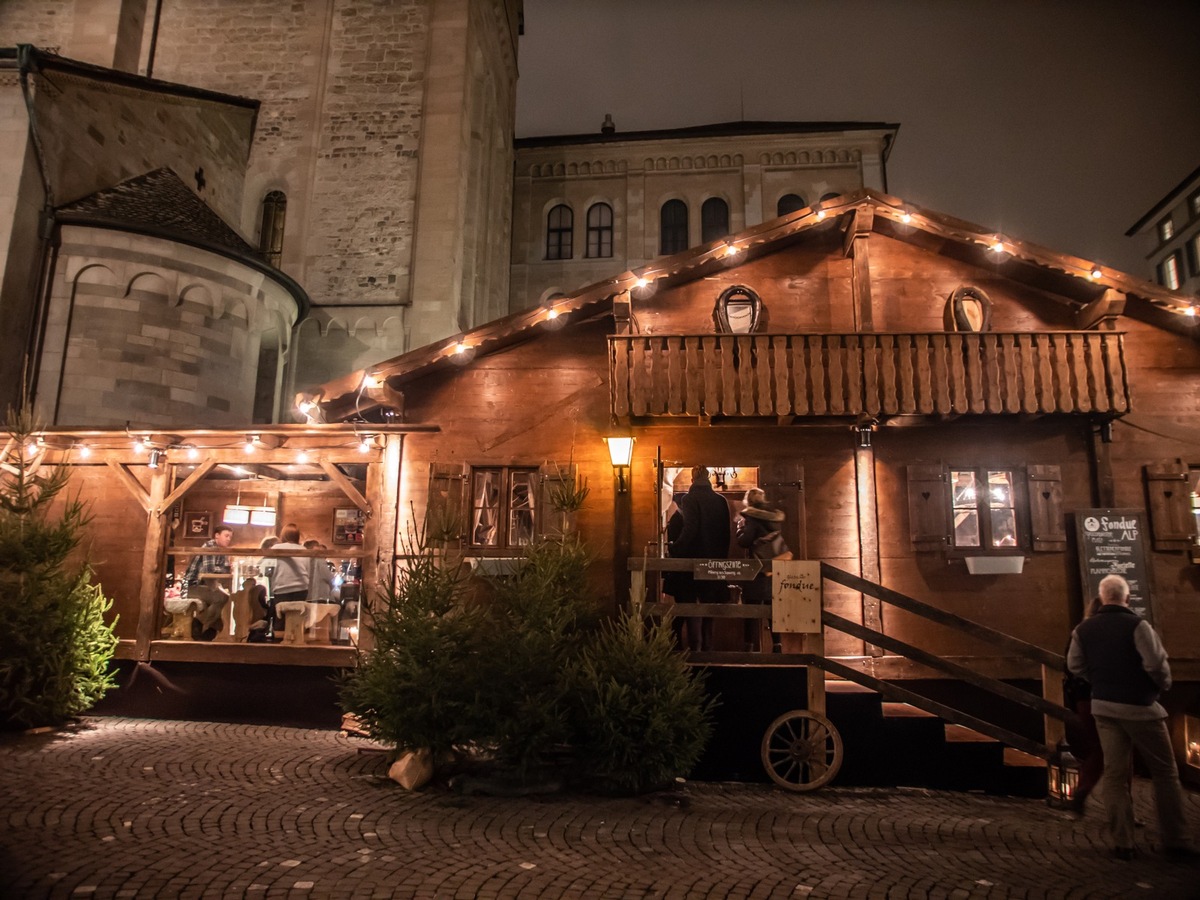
873 374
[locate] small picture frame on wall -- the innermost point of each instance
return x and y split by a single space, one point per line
348 525
197 524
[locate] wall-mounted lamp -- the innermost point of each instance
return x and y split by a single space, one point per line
862 432
157 457
620 452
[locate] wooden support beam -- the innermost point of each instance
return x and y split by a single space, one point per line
347 486
623 313
153 558
856 246
1101 312
859 226
188 483
140 494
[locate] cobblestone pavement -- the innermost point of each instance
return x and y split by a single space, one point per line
140 808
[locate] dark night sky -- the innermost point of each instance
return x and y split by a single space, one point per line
1053 121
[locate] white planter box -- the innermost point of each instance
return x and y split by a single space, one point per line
995 565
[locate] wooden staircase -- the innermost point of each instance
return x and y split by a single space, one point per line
891 743
993 736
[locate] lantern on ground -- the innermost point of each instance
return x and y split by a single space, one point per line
1062 778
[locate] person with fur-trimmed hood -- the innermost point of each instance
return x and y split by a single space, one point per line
758 529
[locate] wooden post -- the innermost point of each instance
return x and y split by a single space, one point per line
1104 492
622 535
150 594
868 537
1052 691
814 644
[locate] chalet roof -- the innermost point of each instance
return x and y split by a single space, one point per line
1075 279
717 129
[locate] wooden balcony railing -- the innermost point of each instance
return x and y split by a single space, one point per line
873 374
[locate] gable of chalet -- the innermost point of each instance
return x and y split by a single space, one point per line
854 292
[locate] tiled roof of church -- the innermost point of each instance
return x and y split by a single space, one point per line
158 203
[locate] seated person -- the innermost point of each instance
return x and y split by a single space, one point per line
209 591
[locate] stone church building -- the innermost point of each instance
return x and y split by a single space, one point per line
306 187
209 205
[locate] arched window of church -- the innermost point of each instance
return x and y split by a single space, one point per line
673 227
599 230
714 220
832 195
789 203
270 237
559 225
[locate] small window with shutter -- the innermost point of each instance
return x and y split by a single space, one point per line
985 509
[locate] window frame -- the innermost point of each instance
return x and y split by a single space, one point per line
780 211
983 508
560 237
673 236
1171 270
271 230
599 234
1165 229
714 220
1038 492
503 509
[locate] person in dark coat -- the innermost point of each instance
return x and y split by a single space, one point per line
705 535
756 523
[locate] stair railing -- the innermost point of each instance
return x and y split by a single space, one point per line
1049 704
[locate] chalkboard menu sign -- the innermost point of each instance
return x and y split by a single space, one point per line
1110 543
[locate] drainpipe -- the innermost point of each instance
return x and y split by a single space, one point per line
47 233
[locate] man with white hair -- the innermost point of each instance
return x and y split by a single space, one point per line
1122 658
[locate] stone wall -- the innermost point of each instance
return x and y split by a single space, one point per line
95 134
155 333
636 175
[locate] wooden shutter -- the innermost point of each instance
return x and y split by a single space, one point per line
446 511
927 506
1169 494
1046 520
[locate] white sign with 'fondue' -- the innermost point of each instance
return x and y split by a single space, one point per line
796 596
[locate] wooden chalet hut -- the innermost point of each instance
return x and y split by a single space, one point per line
945 413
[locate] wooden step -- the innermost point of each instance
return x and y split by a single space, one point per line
1021 759
961 734
845 687
895 710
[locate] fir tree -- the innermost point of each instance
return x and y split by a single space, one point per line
55 646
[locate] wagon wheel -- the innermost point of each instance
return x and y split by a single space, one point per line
801 750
